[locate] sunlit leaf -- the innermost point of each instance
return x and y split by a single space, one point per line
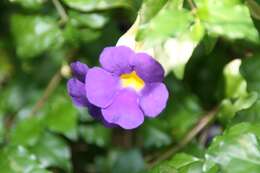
230 19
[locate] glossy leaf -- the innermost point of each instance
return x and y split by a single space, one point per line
52 151
237 150
19 160
34 35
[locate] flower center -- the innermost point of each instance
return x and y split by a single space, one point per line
132 80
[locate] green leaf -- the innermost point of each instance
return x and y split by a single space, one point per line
52 151
93 5
237 97
76 36
150 8
152 136
180 163
237 150
35 34
252 114
165 24
96 134
62 115
235 83
27 131
228 109
225 18
92 20
129 162
250 70
31 4
18 160
172 42
170 36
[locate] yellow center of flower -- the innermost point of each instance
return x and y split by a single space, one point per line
132 80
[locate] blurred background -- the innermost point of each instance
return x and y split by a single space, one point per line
41 131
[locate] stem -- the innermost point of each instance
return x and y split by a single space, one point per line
192 5
54 82
202 123
63 15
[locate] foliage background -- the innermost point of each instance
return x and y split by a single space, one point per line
209 48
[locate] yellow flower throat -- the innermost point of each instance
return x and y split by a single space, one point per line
132 80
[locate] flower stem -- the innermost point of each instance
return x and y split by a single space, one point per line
63 15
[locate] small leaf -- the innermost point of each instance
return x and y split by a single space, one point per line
228 109
235 83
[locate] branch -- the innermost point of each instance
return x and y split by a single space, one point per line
202 123
192 5
54 82
63 15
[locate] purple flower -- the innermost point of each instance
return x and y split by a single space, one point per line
77 91
127 87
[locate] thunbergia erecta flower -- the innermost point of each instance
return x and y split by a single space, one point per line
77 91
127 87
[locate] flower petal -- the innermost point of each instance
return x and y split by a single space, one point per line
77 92
116 59
154 99
79 70
124 111
101 87
95 112
147 68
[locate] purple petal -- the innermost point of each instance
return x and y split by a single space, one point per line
101 87
154 99
95 112
124 111
79 70
116 59
147 68
77 92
